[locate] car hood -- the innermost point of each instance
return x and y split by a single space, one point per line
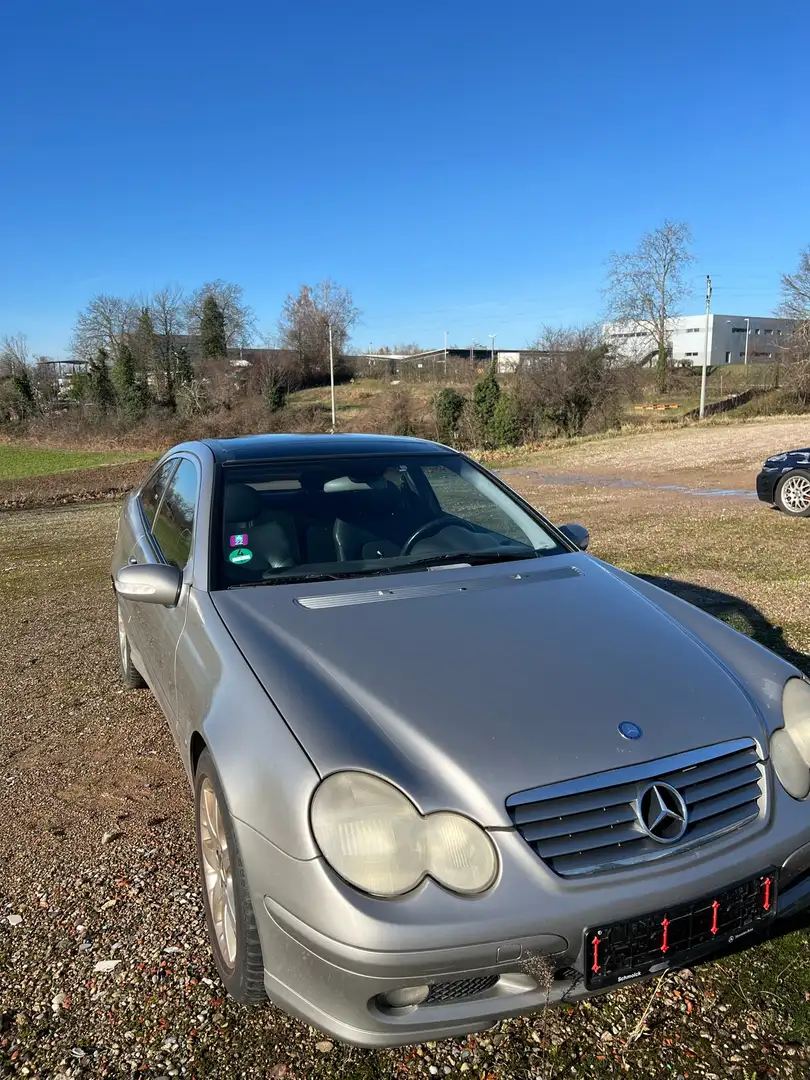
789 457
467 685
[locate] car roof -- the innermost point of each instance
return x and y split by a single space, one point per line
269 447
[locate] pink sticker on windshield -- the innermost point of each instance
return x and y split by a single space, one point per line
239 540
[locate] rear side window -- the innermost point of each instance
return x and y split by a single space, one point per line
153 489
174 525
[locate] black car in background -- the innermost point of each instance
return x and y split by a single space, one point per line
785 482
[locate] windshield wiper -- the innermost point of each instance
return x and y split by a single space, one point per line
473 558
299 579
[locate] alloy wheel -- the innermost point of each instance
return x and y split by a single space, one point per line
795 494
217 872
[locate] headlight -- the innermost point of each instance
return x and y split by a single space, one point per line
790 745
375 838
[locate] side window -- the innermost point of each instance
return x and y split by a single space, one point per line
153 489
174 525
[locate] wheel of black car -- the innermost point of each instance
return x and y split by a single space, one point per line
228 910
130 676
793 494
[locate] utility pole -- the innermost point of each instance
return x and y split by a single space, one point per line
705 348
492 349
747 330
332 375
445 350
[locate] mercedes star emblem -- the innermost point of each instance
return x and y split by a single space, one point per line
662 812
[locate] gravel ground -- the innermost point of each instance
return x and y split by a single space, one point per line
719 455
104 965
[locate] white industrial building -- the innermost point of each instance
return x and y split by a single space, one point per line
733 339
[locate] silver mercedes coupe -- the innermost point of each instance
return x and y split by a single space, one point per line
447 767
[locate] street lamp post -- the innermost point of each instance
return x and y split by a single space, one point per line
492 349
747 331
702 410
332 376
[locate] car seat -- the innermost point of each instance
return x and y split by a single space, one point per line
271 531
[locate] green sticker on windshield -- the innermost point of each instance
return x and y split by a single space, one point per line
240 555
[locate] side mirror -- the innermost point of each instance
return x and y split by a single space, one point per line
577 534
151 584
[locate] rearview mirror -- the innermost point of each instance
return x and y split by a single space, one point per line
577 534
150 583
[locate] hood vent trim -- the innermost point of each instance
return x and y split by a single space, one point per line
442 588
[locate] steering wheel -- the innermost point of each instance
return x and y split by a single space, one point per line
434 526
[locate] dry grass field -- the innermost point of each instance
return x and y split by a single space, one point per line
96 849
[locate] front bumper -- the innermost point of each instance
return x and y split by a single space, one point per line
766 485
329 952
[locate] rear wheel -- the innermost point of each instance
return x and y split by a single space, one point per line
228 910
130 676
793 494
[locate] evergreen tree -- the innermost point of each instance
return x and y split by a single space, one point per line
213 342
99 383
486 393
150 359
21 381
129 390
184 372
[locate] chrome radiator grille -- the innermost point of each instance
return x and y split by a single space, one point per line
591 824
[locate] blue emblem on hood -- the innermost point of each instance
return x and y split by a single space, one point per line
630 730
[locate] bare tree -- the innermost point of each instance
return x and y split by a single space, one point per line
795 305
168 308
17 396
305 322
240 319
646 286
104 324
796 291
14 354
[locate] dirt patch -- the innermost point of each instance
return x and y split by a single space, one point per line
76 485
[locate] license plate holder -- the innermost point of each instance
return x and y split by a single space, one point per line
674 936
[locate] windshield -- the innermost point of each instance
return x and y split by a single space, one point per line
323 519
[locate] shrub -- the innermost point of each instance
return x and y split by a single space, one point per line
505 428
275 393
448 407
486 393
394 414
193 399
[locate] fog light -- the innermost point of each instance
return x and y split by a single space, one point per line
405 997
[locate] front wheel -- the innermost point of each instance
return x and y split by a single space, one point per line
228 910
793 494
130 676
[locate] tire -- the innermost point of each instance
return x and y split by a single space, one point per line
793 494
228 909
130 676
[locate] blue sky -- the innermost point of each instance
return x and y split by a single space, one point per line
459 165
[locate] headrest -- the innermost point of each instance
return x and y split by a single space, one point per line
242 503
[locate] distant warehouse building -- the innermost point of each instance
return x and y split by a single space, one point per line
733 339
